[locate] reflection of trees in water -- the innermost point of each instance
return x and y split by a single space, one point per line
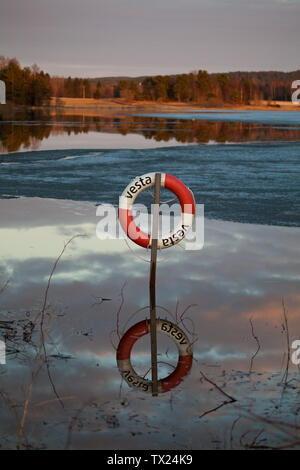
14 132
13 135
205 131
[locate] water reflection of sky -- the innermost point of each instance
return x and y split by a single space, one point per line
242 272
93 140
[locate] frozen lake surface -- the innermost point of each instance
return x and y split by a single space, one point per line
252 183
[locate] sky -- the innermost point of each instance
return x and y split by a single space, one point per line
96 38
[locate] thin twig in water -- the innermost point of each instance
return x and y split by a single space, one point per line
176 312
3 287
291 430
47 402
73 421
253 444
258 346
287 333
232 429
41 350
159 362
226 402
242 437
186 309
43 318
119 309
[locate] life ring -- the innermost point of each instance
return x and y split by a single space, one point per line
140 329
135 187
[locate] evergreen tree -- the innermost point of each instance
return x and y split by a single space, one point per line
87 89
224 85
69 88
97 93
204 83
77 88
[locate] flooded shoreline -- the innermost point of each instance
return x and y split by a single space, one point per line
67 297
242 273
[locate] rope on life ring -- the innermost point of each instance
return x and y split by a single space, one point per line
173 184
140 329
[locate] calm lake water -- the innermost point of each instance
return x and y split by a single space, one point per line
54 170
250 174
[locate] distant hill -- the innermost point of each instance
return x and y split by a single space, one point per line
260 75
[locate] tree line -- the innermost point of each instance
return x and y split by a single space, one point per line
28 85
195 87
33 87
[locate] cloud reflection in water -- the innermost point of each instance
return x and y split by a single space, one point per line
242 272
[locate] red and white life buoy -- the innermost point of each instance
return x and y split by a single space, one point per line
140 329
138 185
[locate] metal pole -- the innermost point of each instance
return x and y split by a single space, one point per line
152 286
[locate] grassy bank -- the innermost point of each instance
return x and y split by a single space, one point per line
113 103
106 106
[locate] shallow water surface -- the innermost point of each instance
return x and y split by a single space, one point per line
237 298
242 273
